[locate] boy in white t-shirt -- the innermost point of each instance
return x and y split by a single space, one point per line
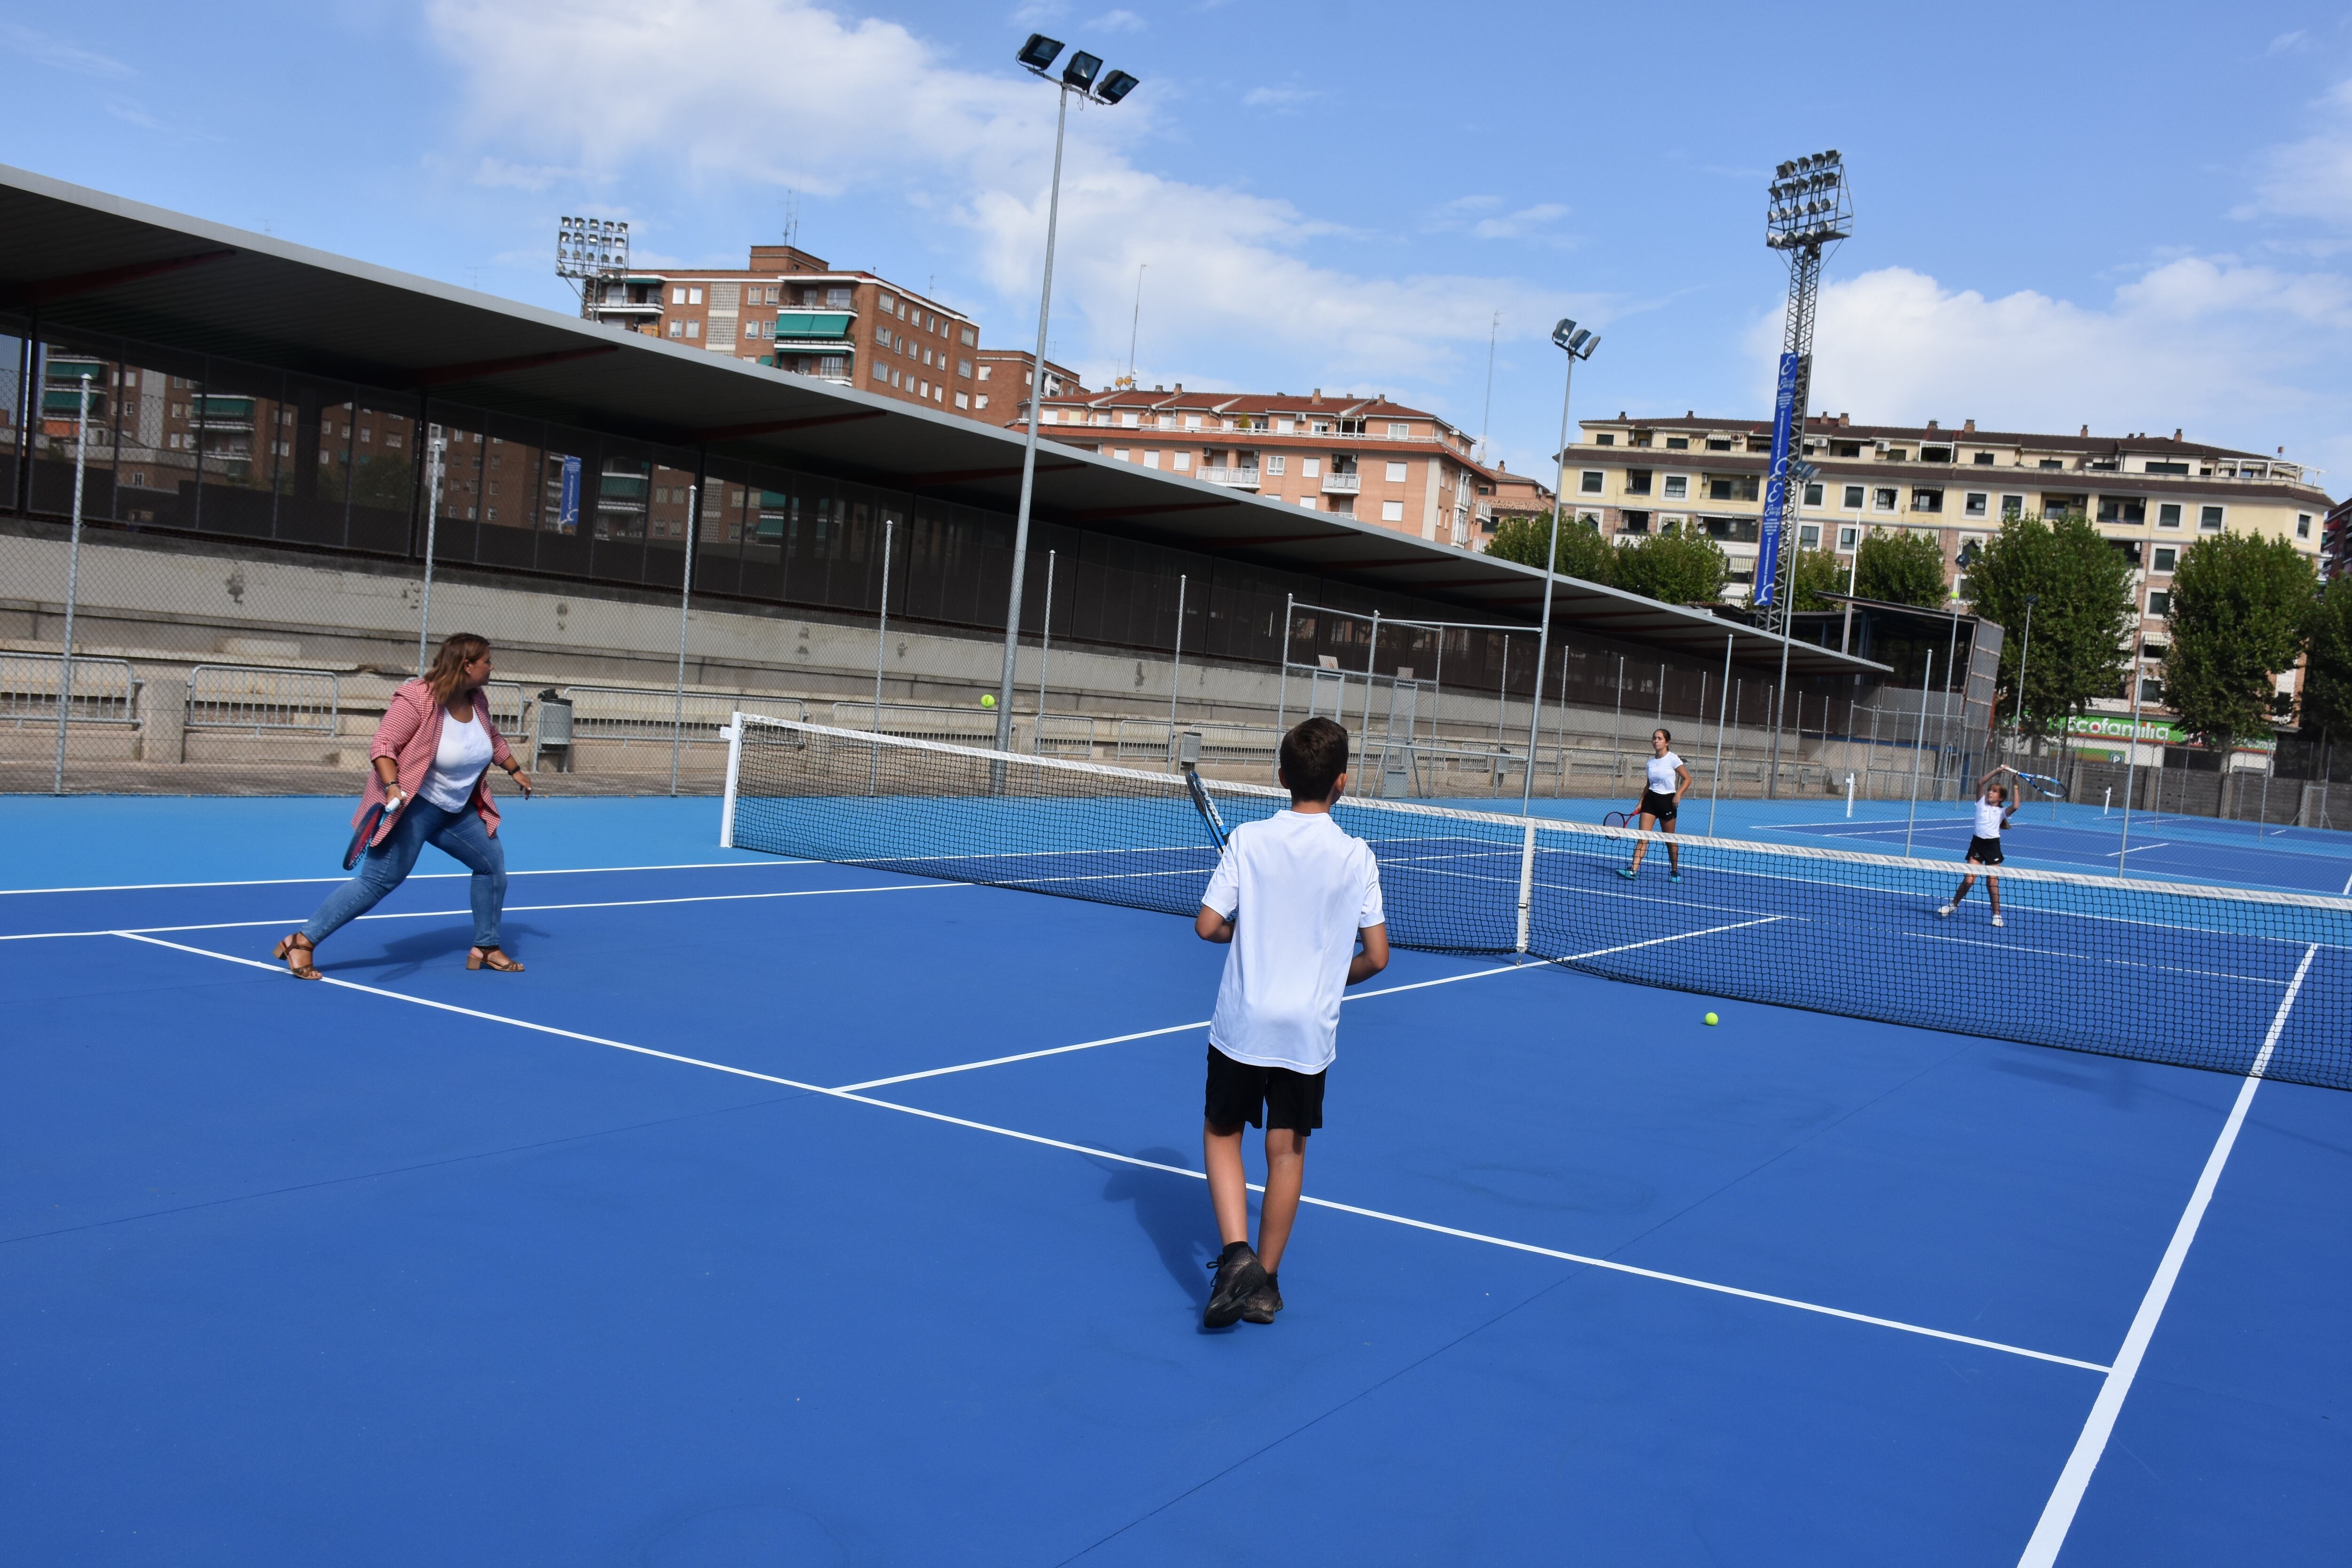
1294 895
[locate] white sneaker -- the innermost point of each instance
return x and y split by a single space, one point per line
1944 913
1996 920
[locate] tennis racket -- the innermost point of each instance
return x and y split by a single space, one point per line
2043 783
362 835
1617 819
1206 807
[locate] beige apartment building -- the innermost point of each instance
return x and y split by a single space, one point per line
2151 496
1365 458
789 309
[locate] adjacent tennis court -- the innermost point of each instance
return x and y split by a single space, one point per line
808 1212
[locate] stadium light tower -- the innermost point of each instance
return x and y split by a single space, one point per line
1577 344
1809 211
587 250
1082 74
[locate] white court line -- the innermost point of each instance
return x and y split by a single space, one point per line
2140 849
2095 958
414 876
1354 996
510 908
2347 888
1588 1262
2058 1514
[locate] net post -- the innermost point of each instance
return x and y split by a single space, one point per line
1527 882
734 772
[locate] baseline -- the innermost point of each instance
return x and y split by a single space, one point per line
1608 1265
414 876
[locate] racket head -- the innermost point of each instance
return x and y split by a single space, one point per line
1617 819
361 835
1206 806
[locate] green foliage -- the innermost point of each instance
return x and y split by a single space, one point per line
2240 607
1583 552
2327 683
1901 568
2085 614
384 482
1676 568
1807 575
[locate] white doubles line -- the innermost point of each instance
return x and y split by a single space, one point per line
2058 1514
1589 1262
414 876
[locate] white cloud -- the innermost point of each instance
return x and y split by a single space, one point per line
61 53
2310 179
1117 22
2293 43
1286 98
497 172
615 88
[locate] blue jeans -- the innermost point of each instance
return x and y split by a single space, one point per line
458 834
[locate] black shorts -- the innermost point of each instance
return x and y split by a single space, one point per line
1985 851
1661 807
1262 1097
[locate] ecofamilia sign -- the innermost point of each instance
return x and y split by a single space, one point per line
2117 728
1776 491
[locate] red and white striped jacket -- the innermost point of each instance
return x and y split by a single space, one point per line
410 736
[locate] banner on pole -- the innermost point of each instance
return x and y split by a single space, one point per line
567 509
1776 493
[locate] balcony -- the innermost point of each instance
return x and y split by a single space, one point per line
1239 478
1342 484
802 325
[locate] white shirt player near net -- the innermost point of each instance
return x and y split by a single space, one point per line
1663 782
1996 804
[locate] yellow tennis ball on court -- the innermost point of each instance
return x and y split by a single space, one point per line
988 700
1711 1018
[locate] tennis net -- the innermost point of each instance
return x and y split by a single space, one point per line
2199 976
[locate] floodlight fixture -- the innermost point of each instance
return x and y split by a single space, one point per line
1080 72
1038 53
1563 333
1115 86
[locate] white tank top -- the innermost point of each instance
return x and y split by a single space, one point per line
1989 818
464 753
1662 774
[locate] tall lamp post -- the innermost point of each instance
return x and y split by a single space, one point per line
1080 76
1577 344
2024 652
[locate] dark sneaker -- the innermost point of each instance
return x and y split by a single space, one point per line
1261 1307
1240 1276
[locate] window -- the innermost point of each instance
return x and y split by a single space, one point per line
2122 508
1848 537
1191 422
1589 482
1984 459
2013 506
1926 501
1853 498
2052 463
1883 499
968 338
2156 468
677 328
1307 501
1974 505
1151 458
1396 473
882 336
1809 536
1391 511
984 370
1120 453
1310 468
2163 558
888 303
837 299
1606 439
1898 455
2154 649
1935 454
755 329
1129 419
1276 462
694 295
1677 443
1845 448
1633 522
1641 437
2160 603
1813 493
1637 481
1184 460
882 374
1677 487
963 400
2209 519
963 367
1399 431
2303 525
677 296
1740 486
981 402
927 356
1719 442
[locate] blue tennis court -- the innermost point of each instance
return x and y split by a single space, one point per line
810 1213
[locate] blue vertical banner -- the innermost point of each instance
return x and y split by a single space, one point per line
1776 489
567 509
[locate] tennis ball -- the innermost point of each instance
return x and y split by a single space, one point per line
988 700
1710 1018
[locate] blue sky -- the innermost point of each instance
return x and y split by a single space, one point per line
2135 219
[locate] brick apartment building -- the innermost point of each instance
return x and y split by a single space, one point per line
2150 495
1365 458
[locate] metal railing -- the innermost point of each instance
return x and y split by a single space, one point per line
655 712
104 690
1342 484
914 721
1239 478
254 699
1222 745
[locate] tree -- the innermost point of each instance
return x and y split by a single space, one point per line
2083 622
2241 605
1901 568
2327 681
1809 574
1583 552
1676 568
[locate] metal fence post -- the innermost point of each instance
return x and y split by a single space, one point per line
1560 779
685 597
1044 652
433 448
1722 709
1372 652
881 640
1920 744
1176 670
1281 697
73 574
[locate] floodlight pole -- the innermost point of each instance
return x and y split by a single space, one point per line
1564 335
2024 651
434 447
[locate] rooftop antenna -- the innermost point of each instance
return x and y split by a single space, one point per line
791 217
588 249
1134 322
1486 419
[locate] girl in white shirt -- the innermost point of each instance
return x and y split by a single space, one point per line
1664 780
1995 805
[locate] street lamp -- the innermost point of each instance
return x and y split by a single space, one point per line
1577 344
1081 74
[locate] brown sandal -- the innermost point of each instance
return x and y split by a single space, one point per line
287 944
492 958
